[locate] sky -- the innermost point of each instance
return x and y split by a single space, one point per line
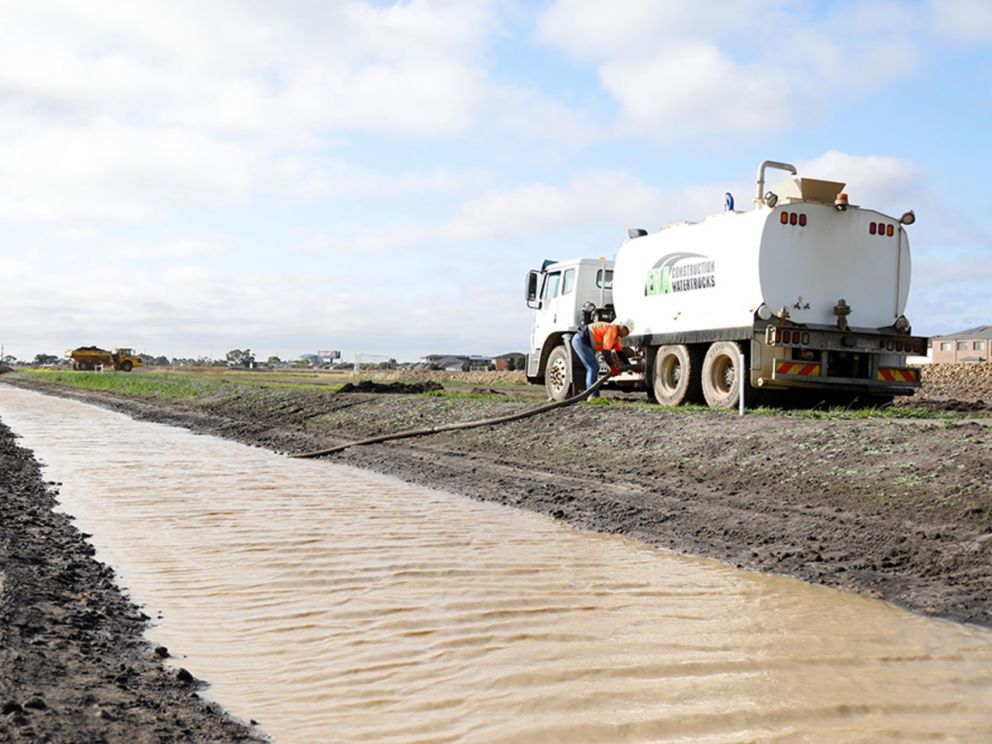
188 178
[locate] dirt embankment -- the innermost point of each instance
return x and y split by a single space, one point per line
74 666
954 387
894 508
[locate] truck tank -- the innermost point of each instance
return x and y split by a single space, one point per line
803 254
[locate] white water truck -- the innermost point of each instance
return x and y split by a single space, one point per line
805 292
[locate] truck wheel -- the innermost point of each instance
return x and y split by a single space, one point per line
126 365
721 385
675 375
560 373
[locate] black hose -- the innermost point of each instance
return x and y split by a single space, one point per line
464 425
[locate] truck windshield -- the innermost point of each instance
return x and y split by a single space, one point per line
604 278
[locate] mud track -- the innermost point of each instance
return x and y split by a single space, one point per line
898 509
74 666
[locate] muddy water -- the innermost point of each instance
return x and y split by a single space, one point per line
332 604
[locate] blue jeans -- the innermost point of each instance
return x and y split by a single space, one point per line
588 358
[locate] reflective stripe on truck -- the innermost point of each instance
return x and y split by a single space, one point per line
798 369
897 374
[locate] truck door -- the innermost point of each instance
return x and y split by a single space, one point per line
546 316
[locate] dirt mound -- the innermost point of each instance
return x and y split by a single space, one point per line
4 369
369 386
91 348
949 404
958 382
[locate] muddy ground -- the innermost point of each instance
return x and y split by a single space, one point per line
74 666
895 508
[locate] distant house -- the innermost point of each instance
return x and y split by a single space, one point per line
456 362
504 362
970 345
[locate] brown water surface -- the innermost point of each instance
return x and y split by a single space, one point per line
337 605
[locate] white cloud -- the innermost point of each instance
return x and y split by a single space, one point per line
679 70
692 88
964 20
105 170
890 185
354 240
591 198
588 198
249 66
527 114
312 178
121 110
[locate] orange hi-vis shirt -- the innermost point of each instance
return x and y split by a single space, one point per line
604 337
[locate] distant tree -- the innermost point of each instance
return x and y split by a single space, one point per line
239 358
9 359
40 359
274 360
161 361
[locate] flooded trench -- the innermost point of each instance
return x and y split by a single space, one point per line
333 604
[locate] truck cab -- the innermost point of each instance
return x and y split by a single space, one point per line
564 295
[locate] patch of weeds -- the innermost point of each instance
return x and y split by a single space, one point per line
886 498
174 386
911 480
855 414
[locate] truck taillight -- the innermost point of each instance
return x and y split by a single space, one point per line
792 218
786 336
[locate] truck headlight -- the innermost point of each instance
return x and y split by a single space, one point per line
902 324
764 312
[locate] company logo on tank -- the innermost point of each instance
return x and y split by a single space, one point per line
680 272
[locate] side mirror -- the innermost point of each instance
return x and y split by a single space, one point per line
531 289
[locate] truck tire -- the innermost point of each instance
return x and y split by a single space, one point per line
559 374
675 375
721 384
126 365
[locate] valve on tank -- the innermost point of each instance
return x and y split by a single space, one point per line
842 310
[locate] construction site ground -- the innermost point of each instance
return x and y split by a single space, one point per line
894 506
